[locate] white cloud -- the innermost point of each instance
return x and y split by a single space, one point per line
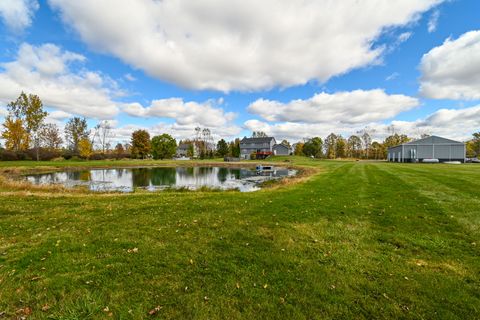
59 115
404 37
240 44
452 70
185 113
433 21
356 106
392 76
3 112
18 14
45 70
456 124
129 77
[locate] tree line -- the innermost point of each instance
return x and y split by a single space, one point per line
359 146
27 136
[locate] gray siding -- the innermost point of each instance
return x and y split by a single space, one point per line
281 150
429 148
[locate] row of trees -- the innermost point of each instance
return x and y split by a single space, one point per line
359 146
25 129
362 146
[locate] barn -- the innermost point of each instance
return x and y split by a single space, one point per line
429 149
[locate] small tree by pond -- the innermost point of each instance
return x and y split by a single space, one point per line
141 146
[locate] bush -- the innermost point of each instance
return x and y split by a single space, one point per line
68 154
43 154
6 155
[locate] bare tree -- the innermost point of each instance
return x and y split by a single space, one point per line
103 133
366 136
51 137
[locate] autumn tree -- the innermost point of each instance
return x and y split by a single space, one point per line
85 149
298 149
341 147
28 112
222 148
140 142
394 140
377 150
354 146
330 145
15 135
163 146
119 149
475 143
76 129
50 135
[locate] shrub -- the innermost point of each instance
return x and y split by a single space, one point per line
6 155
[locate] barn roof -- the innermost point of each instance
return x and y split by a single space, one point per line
434 140
257 140
429 141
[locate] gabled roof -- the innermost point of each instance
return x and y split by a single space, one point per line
281 145
433 140
429 141
257 140
183 146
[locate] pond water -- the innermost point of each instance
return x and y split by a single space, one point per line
158 178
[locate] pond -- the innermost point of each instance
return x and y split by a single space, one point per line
159 178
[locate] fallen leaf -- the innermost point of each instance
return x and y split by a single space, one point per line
45 307
154 310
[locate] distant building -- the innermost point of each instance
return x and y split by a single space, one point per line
262 147
184 149
427 149
282 150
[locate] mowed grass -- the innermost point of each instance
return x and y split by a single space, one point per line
359 240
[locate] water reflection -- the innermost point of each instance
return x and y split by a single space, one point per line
154 178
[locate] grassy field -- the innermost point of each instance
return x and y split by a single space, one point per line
356 240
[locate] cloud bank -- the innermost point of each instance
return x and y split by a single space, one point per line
452 70
17 15
240 44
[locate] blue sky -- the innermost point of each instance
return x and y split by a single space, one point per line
292 70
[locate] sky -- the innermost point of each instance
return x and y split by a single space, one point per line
293 69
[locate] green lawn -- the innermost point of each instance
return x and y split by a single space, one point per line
356 240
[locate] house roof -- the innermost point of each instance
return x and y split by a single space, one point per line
183 146
257 140
430 140
281 145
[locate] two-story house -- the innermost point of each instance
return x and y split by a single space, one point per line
262 147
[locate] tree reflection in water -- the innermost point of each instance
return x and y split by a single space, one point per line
126 179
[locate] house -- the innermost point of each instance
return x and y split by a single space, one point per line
429 149
282 150
262 147
186 149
